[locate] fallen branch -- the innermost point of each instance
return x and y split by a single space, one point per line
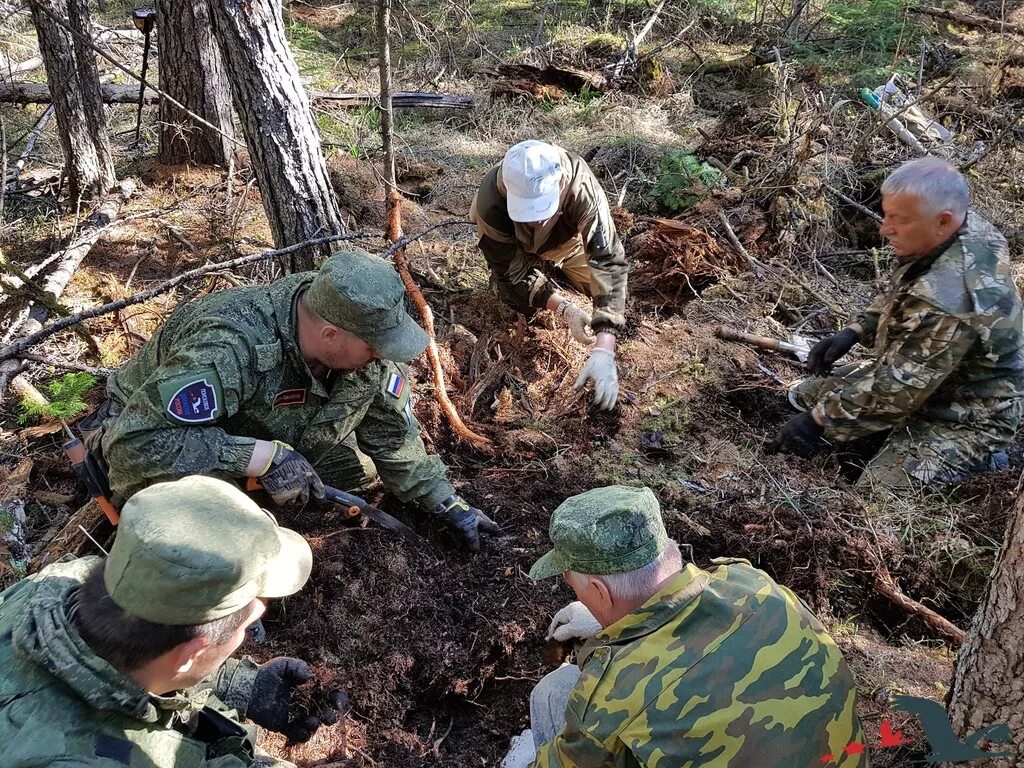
853 203
39 93
970 20
993 144
886 586
757 267
629 56
30 145
70 541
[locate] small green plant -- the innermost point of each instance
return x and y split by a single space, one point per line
684 180
66 399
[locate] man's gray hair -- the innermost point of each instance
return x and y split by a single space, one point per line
641 584
938 184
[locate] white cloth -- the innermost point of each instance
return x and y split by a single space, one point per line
521 751
574 621
578 321
600 369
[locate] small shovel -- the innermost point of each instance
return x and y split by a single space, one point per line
796 346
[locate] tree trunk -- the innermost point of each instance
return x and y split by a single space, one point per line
988 685
74 82
282 138
192 71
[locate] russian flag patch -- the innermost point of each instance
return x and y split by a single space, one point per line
396 385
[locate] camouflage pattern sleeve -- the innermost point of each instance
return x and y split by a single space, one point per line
575 747
925 347
390 435
587 206
233 682
169 425
868 319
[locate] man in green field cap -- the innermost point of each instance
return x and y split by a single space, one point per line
682 667
298 383
124 661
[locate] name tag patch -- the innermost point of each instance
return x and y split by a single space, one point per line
396 385
288 398
194 402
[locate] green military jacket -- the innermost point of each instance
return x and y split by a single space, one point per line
720 669
226 370
62 705
583 215
947 341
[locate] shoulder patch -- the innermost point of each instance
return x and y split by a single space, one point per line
396 385
114 748
195 398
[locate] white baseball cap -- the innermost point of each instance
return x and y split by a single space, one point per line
532 172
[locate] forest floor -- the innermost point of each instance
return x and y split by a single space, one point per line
438 648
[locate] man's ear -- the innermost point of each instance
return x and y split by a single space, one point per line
946 219
185 655
600 590
329 333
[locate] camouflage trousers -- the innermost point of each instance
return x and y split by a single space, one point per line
922 451
548 702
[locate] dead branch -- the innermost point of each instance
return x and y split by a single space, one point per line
39 93
993 144
30 145
69 539
629 56
853 203
394 202
886 586
970 20
757 267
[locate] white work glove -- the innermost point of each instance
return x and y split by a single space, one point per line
573 622
600 368
521 751
577 320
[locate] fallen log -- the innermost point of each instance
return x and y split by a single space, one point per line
750 61
551 82
71 541
30 145
39 93
970 20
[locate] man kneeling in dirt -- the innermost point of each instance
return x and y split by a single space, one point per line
543 204
125 660
945 380
235 379
681 666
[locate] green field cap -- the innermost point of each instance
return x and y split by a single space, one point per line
364 295
196 549
604 531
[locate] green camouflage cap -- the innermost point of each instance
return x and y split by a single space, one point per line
604 531
364 295
196 549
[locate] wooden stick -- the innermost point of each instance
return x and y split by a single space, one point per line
628 57
755 265
30 144
853 203
970 20
886 586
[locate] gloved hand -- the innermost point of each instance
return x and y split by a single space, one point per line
578 321
270 704
801 435
469 522
825 353
521 752
289 478
601 369
574 621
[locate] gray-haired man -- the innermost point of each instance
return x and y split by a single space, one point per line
946 374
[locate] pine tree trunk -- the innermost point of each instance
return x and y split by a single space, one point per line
75 86
988 685
192 71
275 113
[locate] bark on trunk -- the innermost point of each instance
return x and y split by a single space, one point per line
74 81
282 138
988 685
192 71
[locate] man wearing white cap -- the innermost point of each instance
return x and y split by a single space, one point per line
543 204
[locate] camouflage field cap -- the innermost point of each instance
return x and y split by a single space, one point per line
604 531
196 549
364 295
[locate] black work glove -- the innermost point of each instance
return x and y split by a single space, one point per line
290 479
825 353
270 704
801 435
468 522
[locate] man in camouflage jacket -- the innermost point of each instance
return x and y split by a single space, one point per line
297 383
124 661
543 204
946 374
684 667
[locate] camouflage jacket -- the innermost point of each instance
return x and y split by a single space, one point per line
583 218
947 340
722 669
62 705
234 353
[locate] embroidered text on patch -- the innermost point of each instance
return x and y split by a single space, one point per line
289 397
396 384
194 403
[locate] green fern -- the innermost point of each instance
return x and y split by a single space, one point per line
684 180
66 396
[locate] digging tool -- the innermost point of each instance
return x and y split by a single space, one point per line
796 346
355 506
91 474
